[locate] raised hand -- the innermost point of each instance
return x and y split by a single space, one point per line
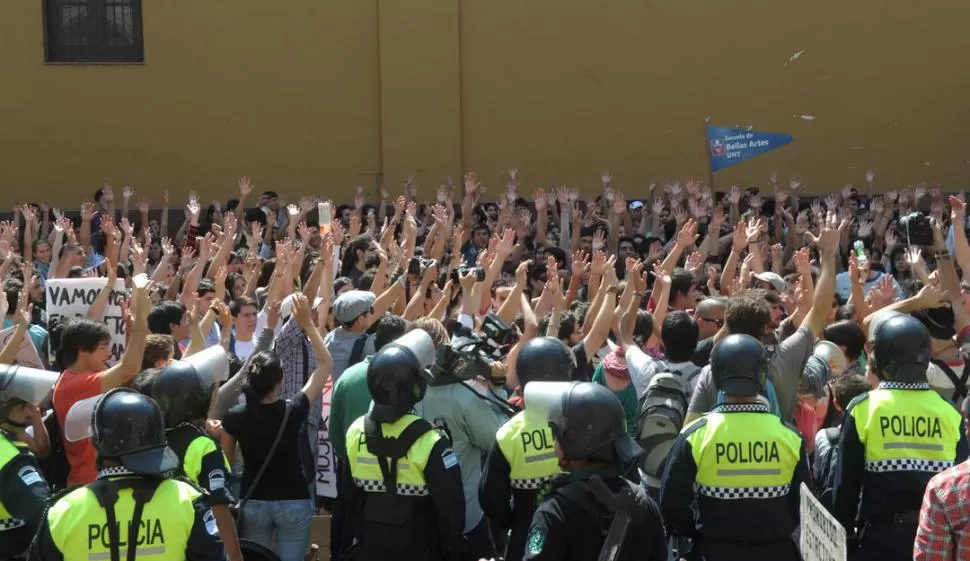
599 239
471 183
658 206
127 192
539 196
865 228
755 201
870 175
580 265
734 195
606 179
803 264
831 203
687 235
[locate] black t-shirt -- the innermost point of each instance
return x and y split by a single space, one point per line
584 366
702 352
255 432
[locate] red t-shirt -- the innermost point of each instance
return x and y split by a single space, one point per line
70 388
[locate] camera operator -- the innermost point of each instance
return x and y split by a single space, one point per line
467 399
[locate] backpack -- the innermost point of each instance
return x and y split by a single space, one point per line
661 412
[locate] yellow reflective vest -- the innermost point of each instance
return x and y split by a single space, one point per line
742 453
366 470
78 524
906 430
526 443
8 451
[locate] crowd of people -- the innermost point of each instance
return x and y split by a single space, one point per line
537 377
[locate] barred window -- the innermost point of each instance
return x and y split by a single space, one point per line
93 31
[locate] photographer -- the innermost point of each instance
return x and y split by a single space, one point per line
471 408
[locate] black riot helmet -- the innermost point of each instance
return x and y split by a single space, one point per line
901 349
587 420
398 376
544 359
739 365
19 385
183 388
126 426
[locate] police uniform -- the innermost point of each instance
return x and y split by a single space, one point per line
405 497
23 490
519 467
202 462
894 439
130 511
747 465
741 464
422 517
175 524
523 459
592 510
23 497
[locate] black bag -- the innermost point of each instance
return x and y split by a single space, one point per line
237 509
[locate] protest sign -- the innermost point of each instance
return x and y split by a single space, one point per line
27 354
326 472
822 537
729 147
73 297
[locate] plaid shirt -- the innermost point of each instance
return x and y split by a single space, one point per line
299 361
944 520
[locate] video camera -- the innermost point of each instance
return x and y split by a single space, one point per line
470 355
916 226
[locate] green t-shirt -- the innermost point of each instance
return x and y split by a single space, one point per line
627 396
349 401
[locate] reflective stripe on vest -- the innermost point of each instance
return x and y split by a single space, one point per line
79 528
744 452
907 429
527 445
8 451
366 470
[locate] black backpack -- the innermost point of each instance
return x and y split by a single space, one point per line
55 466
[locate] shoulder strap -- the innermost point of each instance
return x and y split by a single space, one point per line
306 360
959 383
357 353
390 449
269 456
106 491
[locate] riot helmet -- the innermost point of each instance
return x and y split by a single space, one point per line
739 365
183 388
126 426
901 349
587 420
544 359
398 375
20 384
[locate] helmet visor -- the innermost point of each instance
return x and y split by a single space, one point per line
29 384
79 421
211 364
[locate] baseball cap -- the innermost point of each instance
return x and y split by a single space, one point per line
352 304
774 279
286 306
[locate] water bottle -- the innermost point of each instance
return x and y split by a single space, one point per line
860 252
323 209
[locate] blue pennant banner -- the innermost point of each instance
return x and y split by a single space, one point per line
729 147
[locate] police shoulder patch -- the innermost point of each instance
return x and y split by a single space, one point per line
449 459
30 476
537 538
217 479
210 523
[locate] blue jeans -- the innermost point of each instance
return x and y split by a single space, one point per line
287 523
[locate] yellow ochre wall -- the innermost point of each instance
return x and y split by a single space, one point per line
318 96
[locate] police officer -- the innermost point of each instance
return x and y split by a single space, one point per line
894 439
184 390
593 509
745 464
131 511
23 489
523 459
405 481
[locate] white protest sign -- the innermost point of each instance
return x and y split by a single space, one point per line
822 537
27 354
73 297
326 474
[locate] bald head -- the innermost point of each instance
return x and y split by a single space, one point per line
710 316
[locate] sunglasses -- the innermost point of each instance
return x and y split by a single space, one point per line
717 322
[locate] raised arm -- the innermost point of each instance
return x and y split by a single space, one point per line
130 364
318 378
